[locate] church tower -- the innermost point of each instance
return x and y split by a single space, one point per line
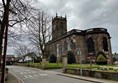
59 26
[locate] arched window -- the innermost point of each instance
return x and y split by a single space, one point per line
105 44
90 45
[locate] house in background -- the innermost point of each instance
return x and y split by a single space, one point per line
10 59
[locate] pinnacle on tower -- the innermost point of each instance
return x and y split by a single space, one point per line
56 14
65 15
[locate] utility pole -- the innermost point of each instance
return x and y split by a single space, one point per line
4 55
5 26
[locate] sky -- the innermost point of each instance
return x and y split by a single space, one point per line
85 14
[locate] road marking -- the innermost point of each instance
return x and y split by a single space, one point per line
35 75
28 76
43 74
31 72
27 70
23 73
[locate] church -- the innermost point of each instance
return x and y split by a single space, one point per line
84 44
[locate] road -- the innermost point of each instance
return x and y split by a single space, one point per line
32 75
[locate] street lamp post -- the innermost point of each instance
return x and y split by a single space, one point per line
79 53
57 54
28 61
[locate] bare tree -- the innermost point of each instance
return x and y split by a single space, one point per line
39 31
4 22
21 51
20 12
7 7
4 32
13 12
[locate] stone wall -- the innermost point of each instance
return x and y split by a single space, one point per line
93 73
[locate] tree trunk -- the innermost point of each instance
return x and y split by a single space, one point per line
5 27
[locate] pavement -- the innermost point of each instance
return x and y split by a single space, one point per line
14 79
11 79
90 79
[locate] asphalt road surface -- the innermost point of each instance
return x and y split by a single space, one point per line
32 75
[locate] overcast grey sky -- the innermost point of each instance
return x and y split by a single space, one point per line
84 14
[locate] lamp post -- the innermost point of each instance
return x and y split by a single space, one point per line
57 54
27 60
79 53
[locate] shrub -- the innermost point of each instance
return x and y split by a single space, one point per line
71 57
110 68
52 58
101 58
38 59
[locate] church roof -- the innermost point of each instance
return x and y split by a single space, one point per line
81 32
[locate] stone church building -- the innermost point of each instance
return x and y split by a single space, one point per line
83 43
